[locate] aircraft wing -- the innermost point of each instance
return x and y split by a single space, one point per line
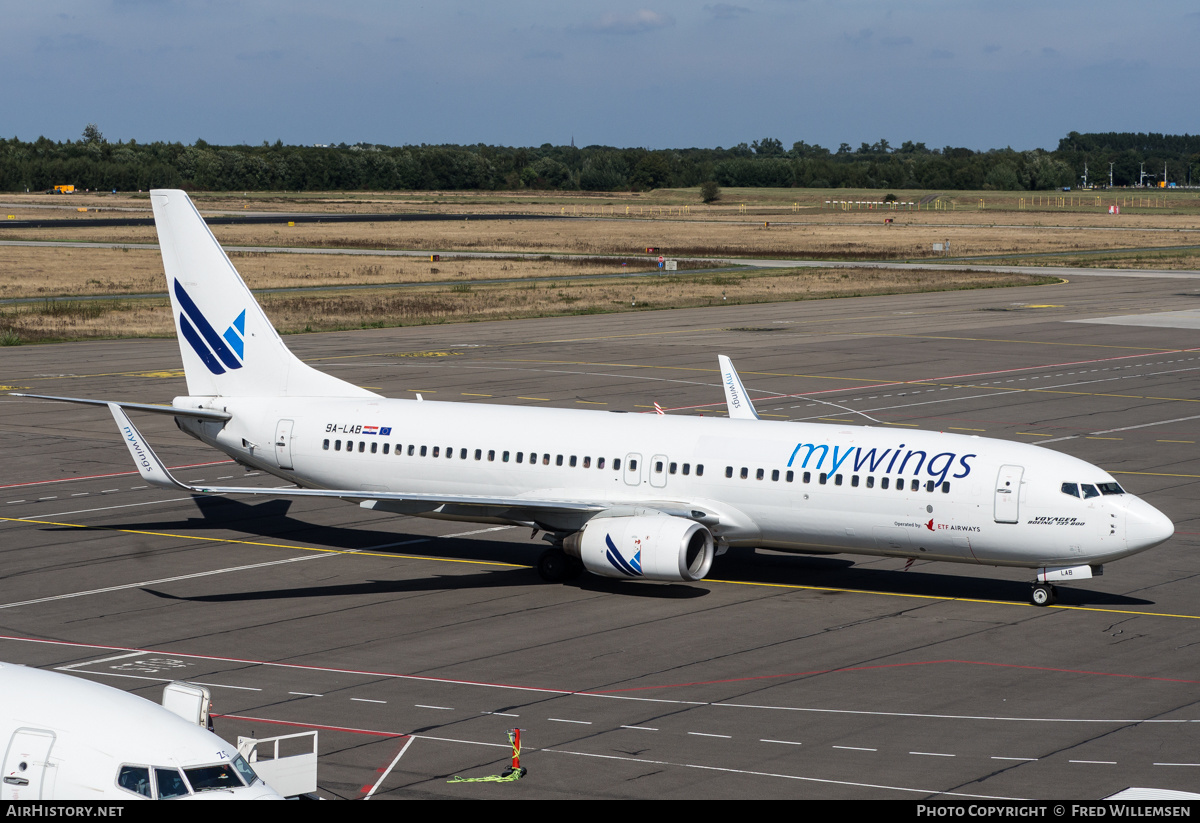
155 472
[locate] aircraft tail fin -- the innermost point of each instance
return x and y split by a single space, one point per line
229 347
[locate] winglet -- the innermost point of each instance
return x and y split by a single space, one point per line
148 464
739 403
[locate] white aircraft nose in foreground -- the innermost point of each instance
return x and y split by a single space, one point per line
643 497
66 738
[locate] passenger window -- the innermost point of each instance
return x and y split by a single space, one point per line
478 453
424 450
823 478
374 448
449 452
807 477
633 465
745 472
558 460
325 445
386 446
616 464
337 445
135 779
587 462
837 480
599 462
673 468
412 450
437 451
883 482
491 455
504 457
774 474
520 457
462 454
729 471
362 446
687 468
945 487
699 469
572 461
545 460
930 485
790 476
758 475
870 481
854 480
658 467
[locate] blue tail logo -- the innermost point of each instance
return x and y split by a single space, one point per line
212 348
631 567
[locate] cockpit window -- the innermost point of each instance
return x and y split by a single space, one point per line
1110 488
243 768
170 783
1089 491
1071 489
135 779
214 777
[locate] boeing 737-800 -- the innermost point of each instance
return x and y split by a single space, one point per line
645 497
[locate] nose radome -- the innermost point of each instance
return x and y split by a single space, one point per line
1147 527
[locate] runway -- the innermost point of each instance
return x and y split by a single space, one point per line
413 646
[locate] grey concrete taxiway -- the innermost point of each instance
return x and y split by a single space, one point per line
414 646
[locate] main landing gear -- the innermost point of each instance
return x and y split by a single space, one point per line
555 566
1044 594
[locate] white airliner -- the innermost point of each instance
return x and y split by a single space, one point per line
66 738
641 497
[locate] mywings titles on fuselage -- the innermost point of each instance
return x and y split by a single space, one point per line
648 497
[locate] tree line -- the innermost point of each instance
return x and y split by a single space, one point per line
94 163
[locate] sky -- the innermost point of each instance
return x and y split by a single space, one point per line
658 74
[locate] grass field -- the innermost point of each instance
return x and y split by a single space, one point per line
1161 231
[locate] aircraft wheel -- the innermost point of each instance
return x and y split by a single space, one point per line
1043 595
554 566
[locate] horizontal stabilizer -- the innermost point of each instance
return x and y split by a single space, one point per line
740 406
175 411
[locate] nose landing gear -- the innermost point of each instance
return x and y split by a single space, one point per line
1044 594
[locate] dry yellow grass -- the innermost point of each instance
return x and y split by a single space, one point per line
47 271
810 231
838 237
331 310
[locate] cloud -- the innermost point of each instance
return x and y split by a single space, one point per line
640 21
726 11
861 37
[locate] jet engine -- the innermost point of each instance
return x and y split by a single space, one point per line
658 547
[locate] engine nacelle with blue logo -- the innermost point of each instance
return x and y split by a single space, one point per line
657 547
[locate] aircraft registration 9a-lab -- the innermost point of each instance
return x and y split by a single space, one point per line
633 496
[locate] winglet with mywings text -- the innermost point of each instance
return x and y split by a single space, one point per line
740 406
